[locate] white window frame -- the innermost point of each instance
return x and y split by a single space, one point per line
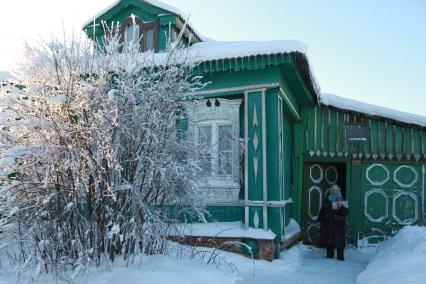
216 187
215 124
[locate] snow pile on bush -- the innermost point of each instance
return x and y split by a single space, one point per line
401 259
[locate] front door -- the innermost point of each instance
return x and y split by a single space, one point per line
318 179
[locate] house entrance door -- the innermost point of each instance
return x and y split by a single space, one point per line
318 179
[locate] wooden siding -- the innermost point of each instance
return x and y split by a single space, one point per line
325 136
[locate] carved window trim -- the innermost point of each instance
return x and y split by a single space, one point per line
216 187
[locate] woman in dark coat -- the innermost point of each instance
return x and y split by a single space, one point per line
332 223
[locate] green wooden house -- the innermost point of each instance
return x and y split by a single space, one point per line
298 141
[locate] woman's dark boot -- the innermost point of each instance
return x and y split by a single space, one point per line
340 255
330 252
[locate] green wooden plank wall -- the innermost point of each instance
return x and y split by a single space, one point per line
325 136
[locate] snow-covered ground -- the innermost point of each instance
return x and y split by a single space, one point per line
400 260
162 270
300 264
305 265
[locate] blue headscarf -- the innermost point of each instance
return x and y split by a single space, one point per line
335 196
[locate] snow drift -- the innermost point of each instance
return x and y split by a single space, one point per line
401 259
162 269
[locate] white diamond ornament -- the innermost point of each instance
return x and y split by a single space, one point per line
255 142
255 122
256 220
255 167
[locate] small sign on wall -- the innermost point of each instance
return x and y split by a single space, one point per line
357 132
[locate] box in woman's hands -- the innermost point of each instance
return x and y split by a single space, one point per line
335 205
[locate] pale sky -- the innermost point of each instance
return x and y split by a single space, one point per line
373 51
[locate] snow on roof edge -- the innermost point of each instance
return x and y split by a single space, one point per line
155 3
372 110
220 50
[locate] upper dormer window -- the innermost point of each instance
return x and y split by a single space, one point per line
135 31
131 34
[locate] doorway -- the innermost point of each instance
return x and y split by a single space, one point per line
317 181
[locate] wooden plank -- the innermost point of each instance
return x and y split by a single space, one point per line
382 140
416 144
398 142
311 129
318 129
340 132
333 132
374 139
325 132
389 141
346 145
407 142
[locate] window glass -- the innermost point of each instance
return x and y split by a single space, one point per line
225 150
131 35
149 39
205 140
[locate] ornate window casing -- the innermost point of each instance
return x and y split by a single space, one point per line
216 128
134 30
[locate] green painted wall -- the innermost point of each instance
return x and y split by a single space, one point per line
390 146
254 151
326 136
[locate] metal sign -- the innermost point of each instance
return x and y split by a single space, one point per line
357 132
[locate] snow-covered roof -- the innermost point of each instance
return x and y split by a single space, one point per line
155 3
372 110
219 50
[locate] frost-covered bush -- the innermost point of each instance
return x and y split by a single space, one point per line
92 159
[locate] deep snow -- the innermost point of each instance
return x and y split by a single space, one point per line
300 264
399 260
